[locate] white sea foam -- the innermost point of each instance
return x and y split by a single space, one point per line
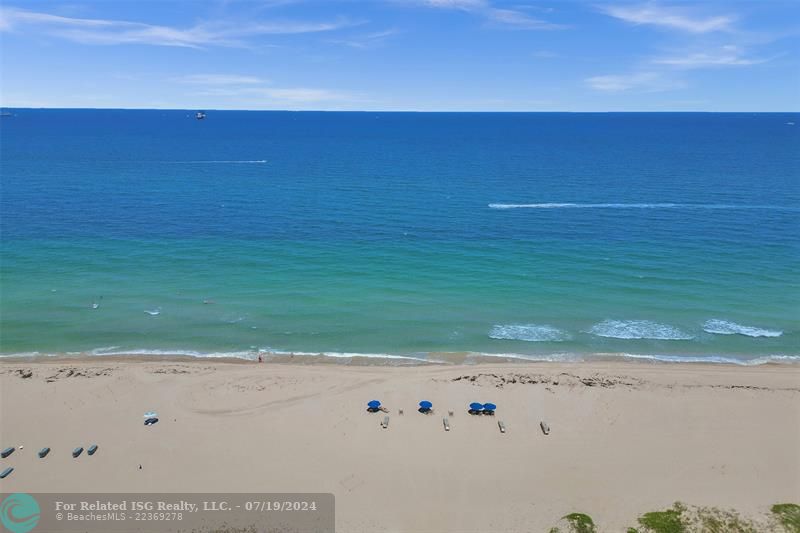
725 327
714 359
350 355
103 349
553 357
153 312
544 358
638 206
529 332
657 358
638 329
190 353
254 353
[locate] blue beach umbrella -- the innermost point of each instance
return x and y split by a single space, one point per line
475 406
425 404
489 407
374 404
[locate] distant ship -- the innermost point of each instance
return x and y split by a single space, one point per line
200 115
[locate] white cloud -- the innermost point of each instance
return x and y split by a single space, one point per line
218 79
253 92
278 3
109 32
510 18
303 94
456 4
518 19
637 81
368 40
292 95
669 17
724 57
10 15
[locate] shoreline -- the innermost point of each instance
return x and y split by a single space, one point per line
448 359
775 376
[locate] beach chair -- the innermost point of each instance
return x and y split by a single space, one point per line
92 449
502 426
385 422
446 423
43 453
545 427
6 472
8 451
77 451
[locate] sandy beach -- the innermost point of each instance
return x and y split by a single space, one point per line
625 438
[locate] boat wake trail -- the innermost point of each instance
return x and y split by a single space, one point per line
640 206
233 161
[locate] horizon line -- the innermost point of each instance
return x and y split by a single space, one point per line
206 109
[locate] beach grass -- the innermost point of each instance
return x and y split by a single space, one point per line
681 518
668 521
713 520
788 514
580 523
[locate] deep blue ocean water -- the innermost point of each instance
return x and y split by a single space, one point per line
541 235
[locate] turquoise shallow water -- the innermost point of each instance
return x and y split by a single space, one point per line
537 235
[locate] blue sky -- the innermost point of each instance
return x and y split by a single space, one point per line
427 55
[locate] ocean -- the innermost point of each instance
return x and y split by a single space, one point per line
427 236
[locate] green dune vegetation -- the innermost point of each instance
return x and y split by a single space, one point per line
788 514
681 518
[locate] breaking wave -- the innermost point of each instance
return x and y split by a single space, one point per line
638 329
529 332
724 327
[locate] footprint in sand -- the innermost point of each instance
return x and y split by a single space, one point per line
351 482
